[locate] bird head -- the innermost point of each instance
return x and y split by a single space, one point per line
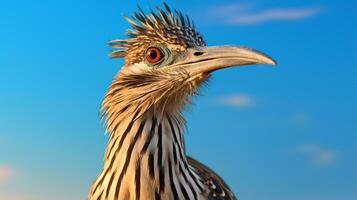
166 60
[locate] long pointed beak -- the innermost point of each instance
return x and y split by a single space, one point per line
208 59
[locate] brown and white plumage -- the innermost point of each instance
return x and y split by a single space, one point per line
165 63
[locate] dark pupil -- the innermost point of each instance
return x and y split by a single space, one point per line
153 54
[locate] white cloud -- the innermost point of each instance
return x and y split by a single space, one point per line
300 118
6 173
245 14
231 8
15 197
238 100
318 154
276 14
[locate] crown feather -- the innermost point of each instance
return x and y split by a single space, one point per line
162 26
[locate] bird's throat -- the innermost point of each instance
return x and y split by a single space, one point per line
145 157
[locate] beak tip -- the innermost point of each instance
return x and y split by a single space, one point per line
262 58
273 62
269 60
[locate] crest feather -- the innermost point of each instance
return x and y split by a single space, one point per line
162 26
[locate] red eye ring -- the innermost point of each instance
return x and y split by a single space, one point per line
153 55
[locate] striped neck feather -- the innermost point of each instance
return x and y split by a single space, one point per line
145 159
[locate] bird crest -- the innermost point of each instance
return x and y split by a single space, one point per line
163 26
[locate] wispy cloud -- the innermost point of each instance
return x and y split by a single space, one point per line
276 14
238 100
246 14
228 9
15 197
317 154
6 173
300 118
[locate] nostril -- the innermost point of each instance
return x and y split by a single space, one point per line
198 53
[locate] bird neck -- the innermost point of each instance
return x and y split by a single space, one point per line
145 158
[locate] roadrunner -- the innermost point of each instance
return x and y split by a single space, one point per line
166 61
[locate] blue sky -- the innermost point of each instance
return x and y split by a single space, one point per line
273 133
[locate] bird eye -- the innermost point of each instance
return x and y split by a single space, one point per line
153 55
